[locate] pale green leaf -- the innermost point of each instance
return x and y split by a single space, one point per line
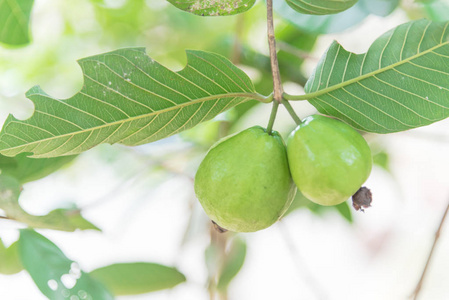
235 257
58 219
437 10
320 7
56 276
401 83
9 259
130 99
137 278
14 21
336 22
213 7
27 169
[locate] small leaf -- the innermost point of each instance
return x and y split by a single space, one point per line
9 259
130 99
437 10
55 275
213 7
27 169
320 7
233 263
137 278
59 219
300 202
337 22
10 190
345 211
401 83
14 21
382 159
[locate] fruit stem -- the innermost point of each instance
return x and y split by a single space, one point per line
291 111
274 111
277 84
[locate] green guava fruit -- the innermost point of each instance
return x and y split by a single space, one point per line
244 183
329 160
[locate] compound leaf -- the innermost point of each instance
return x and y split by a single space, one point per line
401 83
137 278
320 7
130 99
213 7
14 21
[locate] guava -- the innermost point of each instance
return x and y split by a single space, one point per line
329 160
244 183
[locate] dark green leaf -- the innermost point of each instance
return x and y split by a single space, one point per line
337 22
320 7
235 258
401 83
14 21
27 169
57 277
213 7
137 278
127 98
9 259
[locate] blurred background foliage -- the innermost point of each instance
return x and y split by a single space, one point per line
64 31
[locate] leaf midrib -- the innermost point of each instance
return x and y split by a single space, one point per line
254 96
360 78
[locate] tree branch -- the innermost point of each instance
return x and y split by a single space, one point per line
424 272
277 84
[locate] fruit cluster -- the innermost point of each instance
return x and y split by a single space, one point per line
247 181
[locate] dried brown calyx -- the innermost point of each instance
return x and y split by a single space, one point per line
362 199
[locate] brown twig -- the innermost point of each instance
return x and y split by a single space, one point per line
429 258
278 91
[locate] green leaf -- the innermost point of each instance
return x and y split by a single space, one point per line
401 83
320 7
9 259
233 263
14 21
437 10
56 276
27 169
58 219
337 22
301 202
10 190
130 99
213 7
382 159
345 211
137 278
